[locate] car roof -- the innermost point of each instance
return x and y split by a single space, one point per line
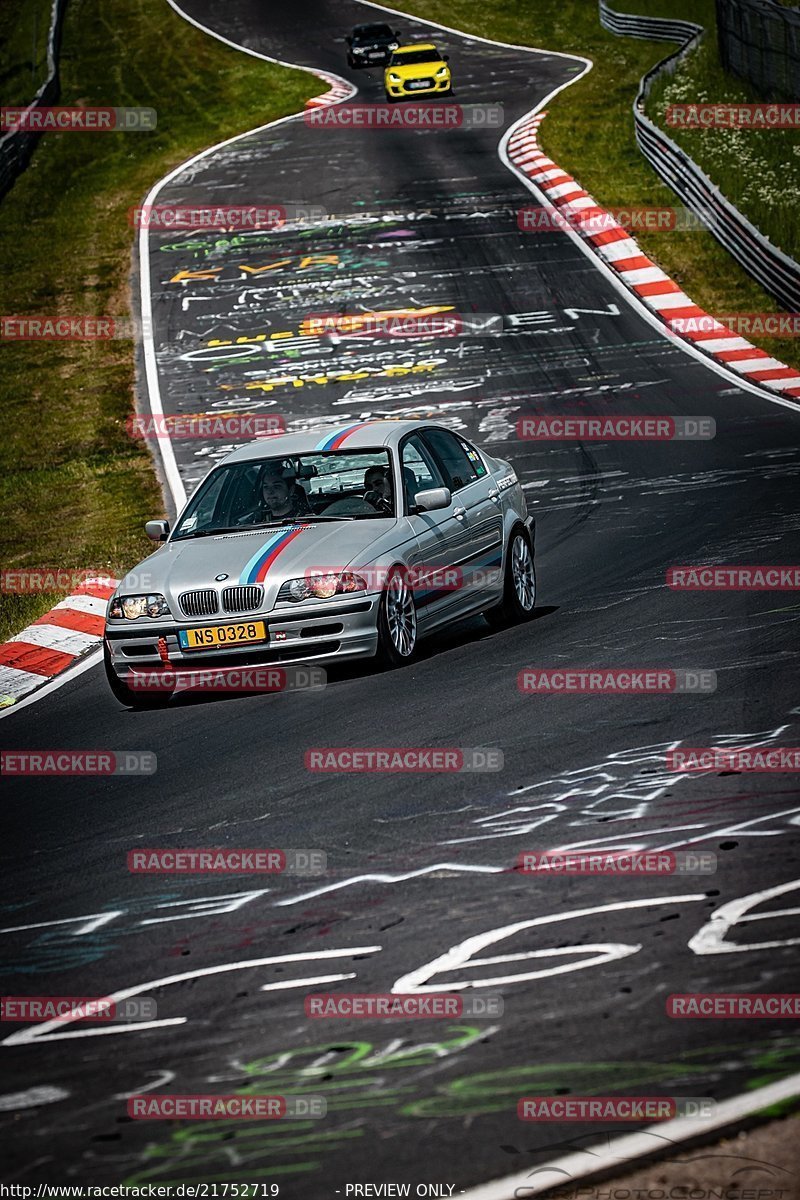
379 25
416 46
349 435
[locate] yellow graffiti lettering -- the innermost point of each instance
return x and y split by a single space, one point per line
210 273
319 260
283 262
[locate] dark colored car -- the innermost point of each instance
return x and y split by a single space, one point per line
371 45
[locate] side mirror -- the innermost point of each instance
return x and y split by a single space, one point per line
433 499
445 58
157 531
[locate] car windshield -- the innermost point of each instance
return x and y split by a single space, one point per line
297 489
373 33
409 58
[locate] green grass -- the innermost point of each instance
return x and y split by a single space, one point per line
24 30
589 131
757 170
74 488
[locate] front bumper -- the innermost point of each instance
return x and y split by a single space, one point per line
401 91
304 633
367 60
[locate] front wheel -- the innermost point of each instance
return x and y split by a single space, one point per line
519 584
397 622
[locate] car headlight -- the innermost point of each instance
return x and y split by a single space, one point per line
394 46
442 72
359 50
393 77
132 607
321 587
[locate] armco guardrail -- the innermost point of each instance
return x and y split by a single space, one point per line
16 146
760 41
775 271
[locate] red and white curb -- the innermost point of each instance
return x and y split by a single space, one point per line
53 643
653 288
340 90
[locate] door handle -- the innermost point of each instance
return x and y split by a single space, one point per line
459 513
494 494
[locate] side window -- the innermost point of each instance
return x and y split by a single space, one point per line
452 454
473 456
419 469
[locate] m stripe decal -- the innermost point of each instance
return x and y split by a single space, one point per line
256 569
332 441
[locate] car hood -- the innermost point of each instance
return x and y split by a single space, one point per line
418 70
266 556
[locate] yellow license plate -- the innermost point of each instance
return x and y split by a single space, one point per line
212 636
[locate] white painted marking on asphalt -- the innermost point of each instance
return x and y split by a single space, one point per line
153 387
460 955
387 878
711 938
33 1098
618 1153
42 1032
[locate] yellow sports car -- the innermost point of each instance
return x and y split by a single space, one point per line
417 70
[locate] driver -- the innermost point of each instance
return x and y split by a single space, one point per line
378 484
280 495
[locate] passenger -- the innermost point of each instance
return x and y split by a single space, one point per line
378 484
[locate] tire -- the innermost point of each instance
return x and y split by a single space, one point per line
397 622
519 583
127 696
